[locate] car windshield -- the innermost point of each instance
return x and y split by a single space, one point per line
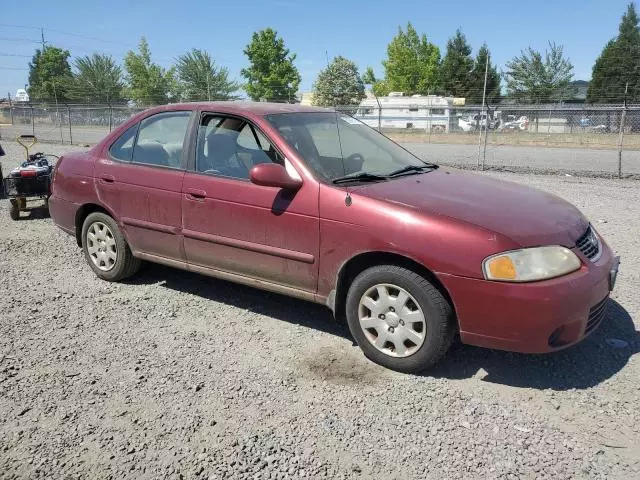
341 148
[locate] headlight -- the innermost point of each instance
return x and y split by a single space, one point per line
530 264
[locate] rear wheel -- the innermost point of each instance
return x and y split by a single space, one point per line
14 212
106 250
399 319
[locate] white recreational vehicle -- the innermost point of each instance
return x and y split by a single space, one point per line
22 95
428 112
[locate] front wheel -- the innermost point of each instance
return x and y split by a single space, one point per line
399 319
106 250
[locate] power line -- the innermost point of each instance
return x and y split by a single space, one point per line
62 32
24 40
8 25
86 37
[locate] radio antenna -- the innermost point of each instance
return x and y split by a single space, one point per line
347 200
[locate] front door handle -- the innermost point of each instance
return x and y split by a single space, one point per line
195 193
107 178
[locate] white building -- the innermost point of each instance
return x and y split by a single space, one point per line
428 112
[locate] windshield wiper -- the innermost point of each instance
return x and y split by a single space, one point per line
412 169
359 177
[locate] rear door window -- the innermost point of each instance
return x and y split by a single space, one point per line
161 138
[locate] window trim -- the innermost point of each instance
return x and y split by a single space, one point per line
186 142
191 168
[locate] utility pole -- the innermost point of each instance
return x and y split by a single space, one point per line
486 120
44 43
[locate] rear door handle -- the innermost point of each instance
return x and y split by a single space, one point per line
107 178
195 193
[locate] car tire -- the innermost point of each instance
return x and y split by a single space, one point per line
408 327
106 249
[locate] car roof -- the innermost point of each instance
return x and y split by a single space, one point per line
243 107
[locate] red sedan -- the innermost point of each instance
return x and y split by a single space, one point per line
316 205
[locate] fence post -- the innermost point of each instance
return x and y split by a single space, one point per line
486 135
59 120
10 107
379 112
110 117
621 139
69 118
33 123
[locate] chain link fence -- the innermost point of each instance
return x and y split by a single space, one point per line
559 138
66 124
571 139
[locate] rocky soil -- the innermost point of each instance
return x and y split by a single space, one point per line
176 375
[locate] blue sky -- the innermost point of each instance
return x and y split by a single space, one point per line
359 30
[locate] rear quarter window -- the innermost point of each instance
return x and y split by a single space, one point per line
122 148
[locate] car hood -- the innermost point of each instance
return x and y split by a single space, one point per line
527 216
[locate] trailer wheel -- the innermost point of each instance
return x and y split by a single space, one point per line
14 212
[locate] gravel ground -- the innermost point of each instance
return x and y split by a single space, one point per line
176 375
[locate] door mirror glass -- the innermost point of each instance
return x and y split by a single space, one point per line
273 175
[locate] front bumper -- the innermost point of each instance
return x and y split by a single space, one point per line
534 317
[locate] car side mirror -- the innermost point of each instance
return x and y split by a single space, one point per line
273 175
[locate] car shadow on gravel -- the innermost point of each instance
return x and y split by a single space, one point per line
35 213
584 365
257 301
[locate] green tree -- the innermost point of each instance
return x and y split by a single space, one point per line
532 77
201 79
412 64
271 74
50 75
97 79
476 83
618 65
338 84
379 87
148 83
456 68
369 78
